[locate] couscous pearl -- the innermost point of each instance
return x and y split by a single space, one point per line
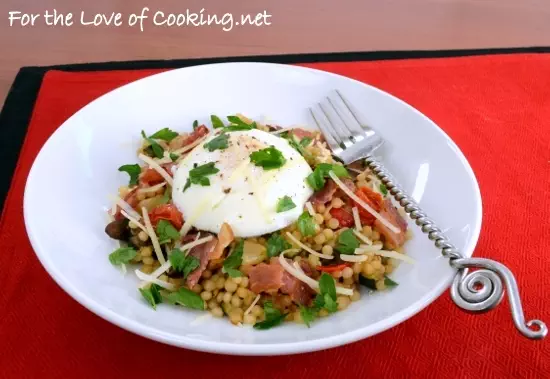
367 269
343 302
143 236
319 219
250 319
146 251
244 282
327 216
297 235
361 176
235 316
212 304
230 286
375 235
321 208
376 265
347 273
356 296
219 297
236 301
217 312
357 268
319 239
207 274
323 312
327 249
333 223
148 260
380 285
329 234
220 283
197 288
209 285
257 311
337 202
238 280
227 298
314 260
242 292
206 295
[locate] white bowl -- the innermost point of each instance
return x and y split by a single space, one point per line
67 193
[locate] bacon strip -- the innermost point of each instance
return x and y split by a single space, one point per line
389 212
203 254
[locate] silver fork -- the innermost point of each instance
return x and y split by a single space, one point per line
474 291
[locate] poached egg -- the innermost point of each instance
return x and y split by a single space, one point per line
242 194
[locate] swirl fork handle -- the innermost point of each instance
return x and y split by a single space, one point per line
481 291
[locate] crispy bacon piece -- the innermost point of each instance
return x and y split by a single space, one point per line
389 212
187 139
203 253
266 277
225 237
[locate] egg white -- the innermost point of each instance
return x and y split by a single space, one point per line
242 194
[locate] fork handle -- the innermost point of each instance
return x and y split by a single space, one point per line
478 291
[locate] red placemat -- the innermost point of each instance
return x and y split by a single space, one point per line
496 108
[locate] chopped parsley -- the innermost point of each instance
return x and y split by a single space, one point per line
199 174
273 317
306 225
284 204
174 157
327 297
166 232
122 255
216 122
383 189
165 134
133 170
152 295
195 124
269 158
237 124
187 298
182 263
219 143
371 283
157 150
308 315
347 242
276 244
316 179
234 261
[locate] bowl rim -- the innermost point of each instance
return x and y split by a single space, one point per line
251 349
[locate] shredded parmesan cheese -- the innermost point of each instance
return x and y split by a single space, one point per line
364 205
357 219
306 248
252 305
136 222
297 272
153 236
149 279
281 130
155 166
152 189
362 237
369 249
310 209
388 254
190 146
353 258
125 206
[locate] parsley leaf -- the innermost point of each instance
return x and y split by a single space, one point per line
234 261
166 197
237 128
273 317
316 179
165 134
236 121
187 298
304 142
174 157
383 189
122 255
327 296
166 232
306 225
152 295
308 315
347 242
389 283
195 124
268 158
133 170
199 174
284 204
183 264
276 244
158 151
216 122
371 283
219 143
